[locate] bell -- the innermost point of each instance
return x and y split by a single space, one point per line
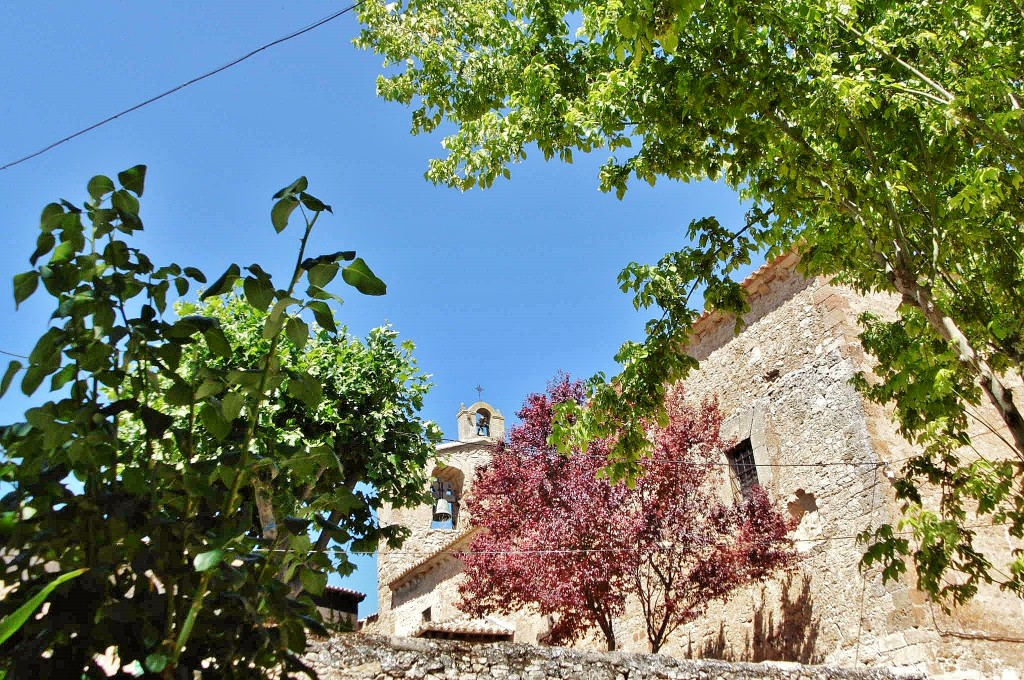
442 510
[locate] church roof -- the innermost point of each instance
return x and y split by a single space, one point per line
754 284
433 559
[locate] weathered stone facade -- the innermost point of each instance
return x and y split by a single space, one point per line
783 384
375 657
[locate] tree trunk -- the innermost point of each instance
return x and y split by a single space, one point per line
947 328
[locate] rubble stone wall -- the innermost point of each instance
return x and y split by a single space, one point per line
371 657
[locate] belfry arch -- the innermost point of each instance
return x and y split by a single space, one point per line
480 420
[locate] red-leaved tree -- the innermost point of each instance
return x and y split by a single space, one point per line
691 545
553 542
560 540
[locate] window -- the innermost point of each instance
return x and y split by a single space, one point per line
744 469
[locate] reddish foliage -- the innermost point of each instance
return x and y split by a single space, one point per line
553 541
572 546
692 546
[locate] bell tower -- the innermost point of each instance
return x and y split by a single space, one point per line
418 584
480 420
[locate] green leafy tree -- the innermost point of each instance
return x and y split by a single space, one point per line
879 139
195 468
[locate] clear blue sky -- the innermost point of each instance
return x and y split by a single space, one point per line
501 288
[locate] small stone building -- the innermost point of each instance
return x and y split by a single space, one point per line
339 607
806 435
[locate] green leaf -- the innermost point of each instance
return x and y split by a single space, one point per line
323 315
313 582
12 370
32 379
295 187
217 342
232 404
196 274
179 394
318 293
670 41
259 292
296 525
50 217
99 186
322 274
224 283
272 326
314 203
208 560
296 329
306 388
10 624
346 255
156 422
24 285
133 179
281 306
124 202
44 243
282 211
64 252
250 378
156 662
626 27
214 421
359 276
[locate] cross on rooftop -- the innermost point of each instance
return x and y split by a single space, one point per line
479 391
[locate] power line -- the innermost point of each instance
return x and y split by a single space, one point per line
235 62
580 551
679 461
12 354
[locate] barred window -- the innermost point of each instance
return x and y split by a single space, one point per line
744 470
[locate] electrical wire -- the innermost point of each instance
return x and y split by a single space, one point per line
204 76
679 461
579 551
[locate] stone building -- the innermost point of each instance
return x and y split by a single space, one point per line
808 437
339 607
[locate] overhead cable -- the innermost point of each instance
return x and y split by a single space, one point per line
234 62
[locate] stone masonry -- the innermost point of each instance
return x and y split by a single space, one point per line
783 384
374 657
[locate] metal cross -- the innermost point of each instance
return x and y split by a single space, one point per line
479 392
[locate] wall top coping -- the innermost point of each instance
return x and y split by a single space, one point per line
433 559
352 655
754 287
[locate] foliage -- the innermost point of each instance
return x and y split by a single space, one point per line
552 538
691 548
879 139
10 624
190 464
571 544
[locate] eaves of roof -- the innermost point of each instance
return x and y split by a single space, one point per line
433 559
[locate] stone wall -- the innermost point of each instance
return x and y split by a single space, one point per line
371 657
784 384
401 611
830 458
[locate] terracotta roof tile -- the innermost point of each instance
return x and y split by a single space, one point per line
346 591
764 273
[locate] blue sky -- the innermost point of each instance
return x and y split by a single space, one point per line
501 288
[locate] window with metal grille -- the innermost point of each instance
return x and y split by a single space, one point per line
744 470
